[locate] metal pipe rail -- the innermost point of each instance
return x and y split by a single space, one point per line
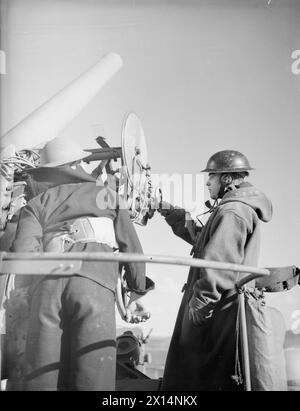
8 260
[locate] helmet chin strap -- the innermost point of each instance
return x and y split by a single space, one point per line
211 208
227 184
222 191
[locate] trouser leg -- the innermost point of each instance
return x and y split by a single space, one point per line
91 314
42 356
71 342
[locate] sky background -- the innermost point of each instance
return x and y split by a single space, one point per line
202 76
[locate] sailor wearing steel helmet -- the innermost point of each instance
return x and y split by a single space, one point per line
203 353
71 341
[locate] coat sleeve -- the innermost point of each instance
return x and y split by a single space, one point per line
128 242
176 218
29 232
227 244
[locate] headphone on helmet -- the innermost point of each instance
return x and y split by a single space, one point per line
226 179
228 182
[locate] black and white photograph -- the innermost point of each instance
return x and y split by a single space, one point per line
149 201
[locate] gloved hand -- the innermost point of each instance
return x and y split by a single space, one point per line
156 200
165 208
157 203
198 312
136 312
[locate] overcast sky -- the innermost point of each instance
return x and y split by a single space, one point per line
201 75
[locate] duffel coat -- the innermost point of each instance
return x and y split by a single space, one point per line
73 194
204 357
71 338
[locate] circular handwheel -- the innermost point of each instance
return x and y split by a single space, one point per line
122 295
134 149
136 170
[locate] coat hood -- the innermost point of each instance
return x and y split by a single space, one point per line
60 175
253 197
41 179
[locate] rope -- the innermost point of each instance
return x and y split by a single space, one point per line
238 375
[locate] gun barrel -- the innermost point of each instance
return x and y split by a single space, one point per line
51 118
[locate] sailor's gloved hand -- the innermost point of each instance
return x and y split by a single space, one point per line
136 312
157 203
165 208
199 313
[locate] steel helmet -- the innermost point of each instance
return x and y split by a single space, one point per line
227 161
61 151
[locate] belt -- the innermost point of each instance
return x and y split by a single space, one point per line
84 230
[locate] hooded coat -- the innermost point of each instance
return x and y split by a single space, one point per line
68 195
71 337
204 357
